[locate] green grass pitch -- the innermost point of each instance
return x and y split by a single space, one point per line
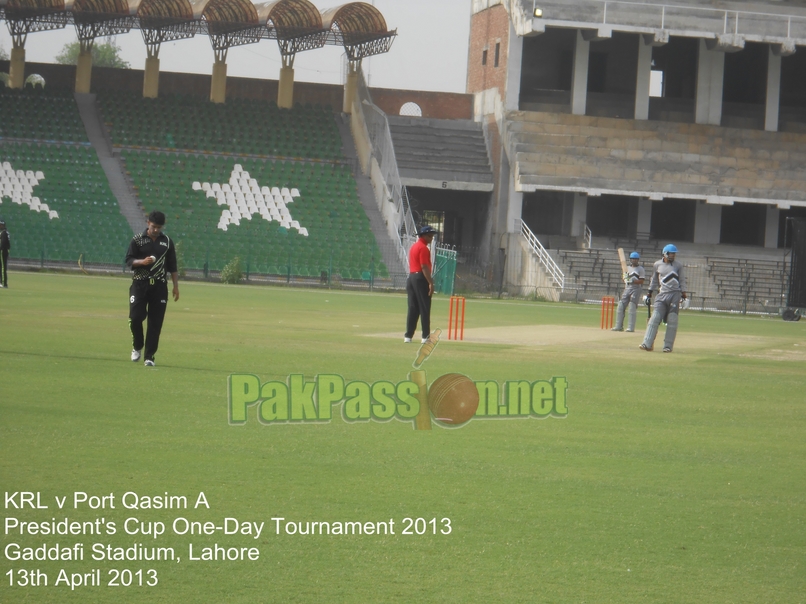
673 478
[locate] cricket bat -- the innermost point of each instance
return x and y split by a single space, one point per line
623 259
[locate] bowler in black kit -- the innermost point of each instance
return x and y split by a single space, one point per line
151 255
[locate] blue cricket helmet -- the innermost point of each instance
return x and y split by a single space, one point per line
669 249
635 255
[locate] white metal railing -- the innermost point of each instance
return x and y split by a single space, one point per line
383 151
587 241
669 15
545 258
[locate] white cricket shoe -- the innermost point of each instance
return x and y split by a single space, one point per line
135 355
407 340
149 363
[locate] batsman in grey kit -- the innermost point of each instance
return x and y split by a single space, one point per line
667 274
634 278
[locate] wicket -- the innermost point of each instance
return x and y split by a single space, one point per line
455 323
608 303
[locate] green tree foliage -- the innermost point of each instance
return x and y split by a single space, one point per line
3 54
106 54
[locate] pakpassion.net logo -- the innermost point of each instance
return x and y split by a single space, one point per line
451 400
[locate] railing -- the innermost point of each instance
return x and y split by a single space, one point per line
545 258
444 263
673 16
587 241
384 153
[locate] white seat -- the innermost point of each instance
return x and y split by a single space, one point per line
226 188
265 191
303 231
216 187
275 191
40 175
205 186
53 214
209 193
294 192
196 185
237 168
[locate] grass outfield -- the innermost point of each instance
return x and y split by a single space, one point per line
673 477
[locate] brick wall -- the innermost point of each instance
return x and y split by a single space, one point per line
433 104
442 105
488 28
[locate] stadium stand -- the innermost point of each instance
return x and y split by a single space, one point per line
288 218
40 114
241 126
694 160
76 212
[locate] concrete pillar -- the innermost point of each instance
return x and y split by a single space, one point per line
218 85
579 214
514 206
514 62
579 82
707 222
350 88
285 91
151 78
16 68
643 224
710 78
84 72
773 93
642 79
771 227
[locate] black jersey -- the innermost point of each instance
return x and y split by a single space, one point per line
142 246
5 241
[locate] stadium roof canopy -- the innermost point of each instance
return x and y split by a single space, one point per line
296 24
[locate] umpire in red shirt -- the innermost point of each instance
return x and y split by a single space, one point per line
420 284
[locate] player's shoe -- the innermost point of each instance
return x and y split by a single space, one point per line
645 347
149 363
407 340
135 355
616 329
423 341
629 330
667 349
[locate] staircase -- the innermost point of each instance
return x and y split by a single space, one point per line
366 196
129 205
441 154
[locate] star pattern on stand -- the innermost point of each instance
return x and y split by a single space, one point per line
18 186
243 197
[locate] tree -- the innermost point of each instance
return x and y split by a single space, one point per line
3 54
106 54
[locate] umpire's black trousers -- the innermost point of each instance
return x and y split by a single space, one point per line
4 268
419 304
147 299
